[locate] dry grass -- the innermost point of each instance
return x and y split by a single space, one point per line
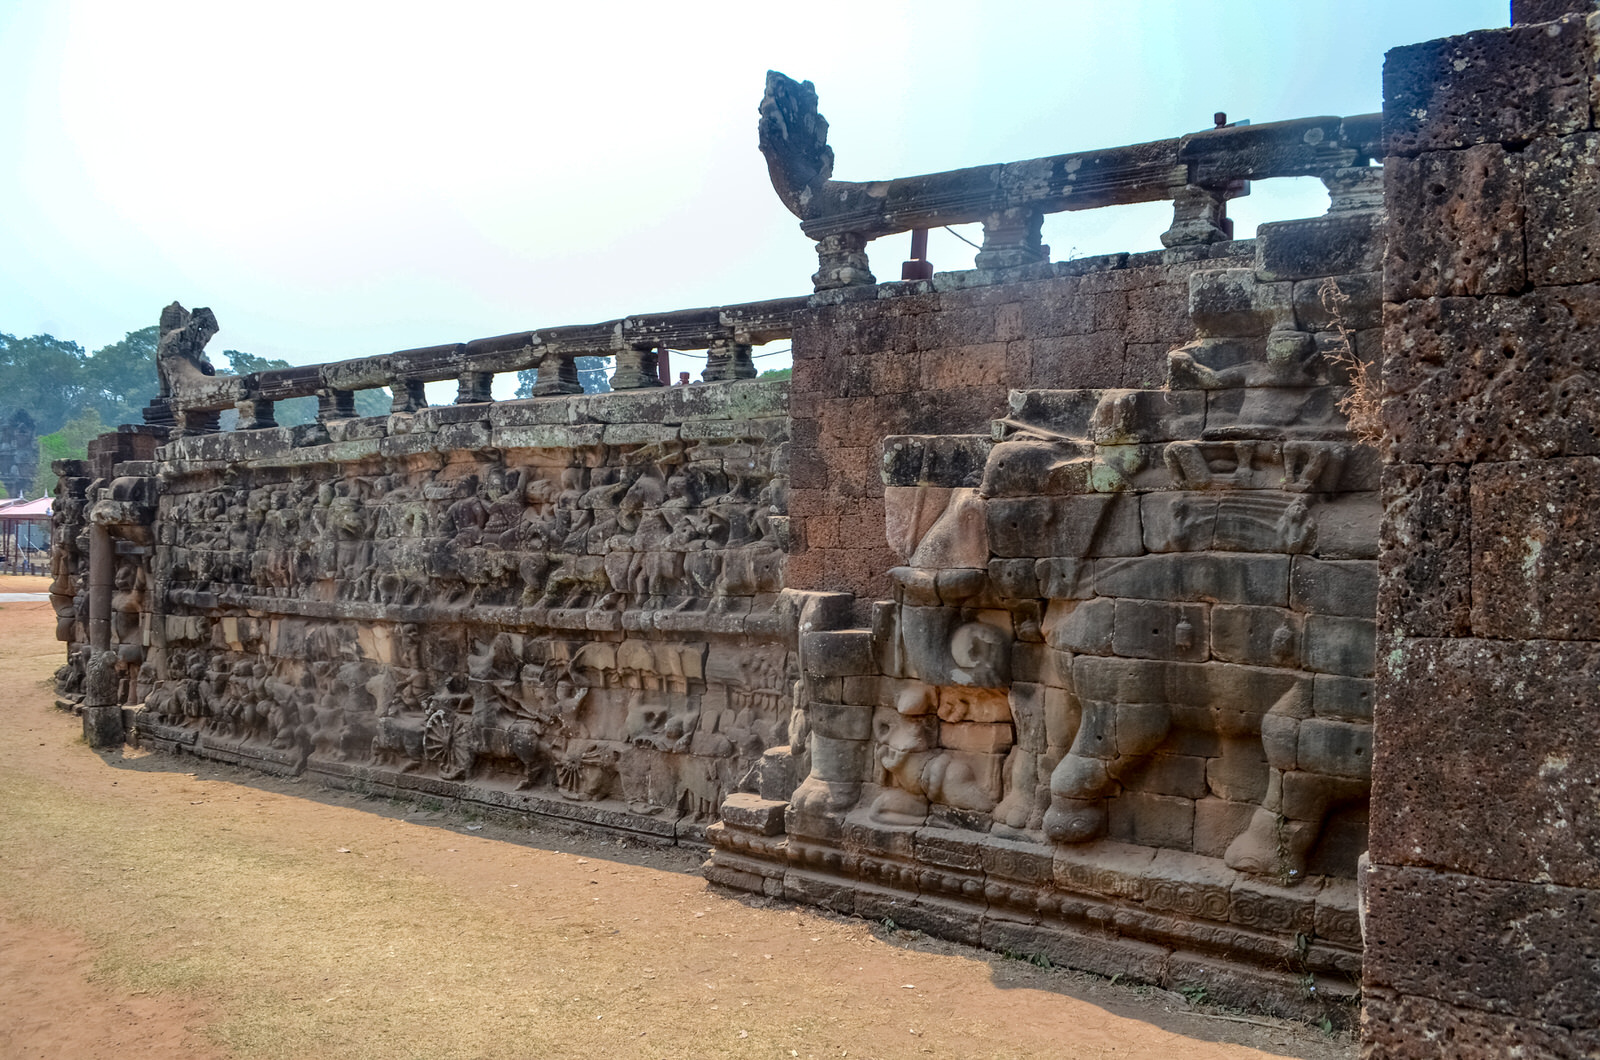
1363 406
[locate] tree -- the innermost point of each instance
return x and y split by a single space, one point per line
71 442
120 379
776 373
44 375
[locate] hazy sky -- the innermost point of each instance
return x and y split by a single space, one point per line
342 179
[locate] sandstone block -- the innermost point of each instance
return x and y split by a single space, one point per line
1334 244
1335 645
1214 577
1146 629
1183 776
1218 822
1349 698
1260 636
977 737
1073 526
1232 303
838 653
1334 587
1335 748
752 813
1086 626
1151 820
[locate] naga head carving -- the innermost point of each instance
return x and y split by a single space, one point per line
181 348
794 139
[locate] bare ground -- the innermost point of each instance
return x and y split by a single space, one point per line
153 906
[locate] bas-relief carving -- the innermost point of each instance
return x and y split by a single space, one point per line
1115 600
605 708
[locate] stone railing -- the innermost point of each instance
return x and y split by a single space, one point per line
726 333
1199 173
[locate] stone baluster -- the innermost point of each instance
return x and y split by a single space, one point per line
1199 216
409 395
1010 238
558 375
728 359
335 404
255 414
197 421
473 387
842 262
638 367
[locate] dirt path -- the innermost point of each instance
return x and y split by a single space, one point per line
155 907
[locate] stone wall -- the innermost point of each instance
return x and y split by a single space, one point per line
1113 704
568 607
1038 612
1484 908
941 356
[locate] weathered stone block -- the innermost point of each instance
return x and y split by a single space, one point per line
752 813
1562 195
1526 11
1233 303
1218 822
1342 697
838 653
1512 947
1354 302
1183 776
1335 748
1151 820
1331 245
1425 573
977 737
1061 578
1458 224
1470 379
1215 577
1335 645
1494 86
1150 630
1086 626
841 721
1260 636
1390 1024
1334 587
1510 793
1073 526
1534 560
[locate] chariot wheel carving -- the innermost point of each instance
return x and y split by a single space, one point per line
445 744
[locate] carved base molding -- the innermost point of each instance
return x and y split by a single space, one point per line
472 797
1163 917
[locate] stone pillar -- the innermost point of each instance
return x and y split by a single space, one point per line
474 387
334 404
1199 216
638 367
842 262
1011 238
102 713
410 395
728 359
1483 912
557 375
256 414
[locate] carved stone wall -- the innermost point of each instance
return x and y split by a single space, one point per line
1060 643
569 607
1115 704
941 357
